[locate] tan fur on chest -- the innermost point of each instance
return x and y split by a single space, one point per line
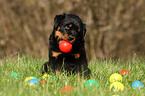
55 54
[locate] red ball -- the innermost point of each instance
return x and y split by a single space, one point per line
124 72
65 46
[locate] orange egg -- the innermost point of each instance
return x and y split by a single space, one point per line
67 89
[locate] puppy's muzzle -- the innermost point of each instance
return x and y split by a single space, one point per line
59 36
71 38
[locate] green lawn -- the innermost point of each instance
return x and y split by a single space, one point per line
101 71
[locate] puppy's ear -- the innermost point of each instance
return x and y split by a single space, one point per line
84 29
58 19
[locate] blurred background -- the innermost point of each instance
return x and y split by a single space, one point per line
115 29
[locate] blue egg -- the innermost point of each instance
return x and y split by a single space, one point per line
33 81
91 83
137 84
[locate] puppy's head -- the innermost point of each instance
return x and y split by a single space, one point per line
68 27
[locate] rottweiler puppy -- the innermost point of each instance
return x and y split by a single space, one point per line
67 27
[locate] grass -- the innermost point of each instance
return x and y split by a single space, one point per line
101 71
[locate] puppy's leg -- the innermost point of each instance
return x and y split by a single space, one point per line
44 68
82 64
53 65
87 73
83 69
77 65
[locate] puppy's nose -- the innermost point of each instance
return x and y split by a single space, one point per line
70 38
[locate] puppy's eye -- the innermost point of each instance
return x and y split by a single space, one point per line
70 25
78 30
67 27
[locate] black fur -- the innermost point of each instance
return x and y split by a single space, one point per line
72 29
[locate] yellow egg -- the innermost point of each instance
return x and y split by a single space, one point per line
46 76
116 86
115 78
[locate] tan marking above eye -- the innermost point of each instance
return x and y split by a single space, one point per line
55 54
70 25
58 28
79 30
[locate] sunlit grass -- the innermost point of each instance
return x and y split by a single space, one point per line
101 71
